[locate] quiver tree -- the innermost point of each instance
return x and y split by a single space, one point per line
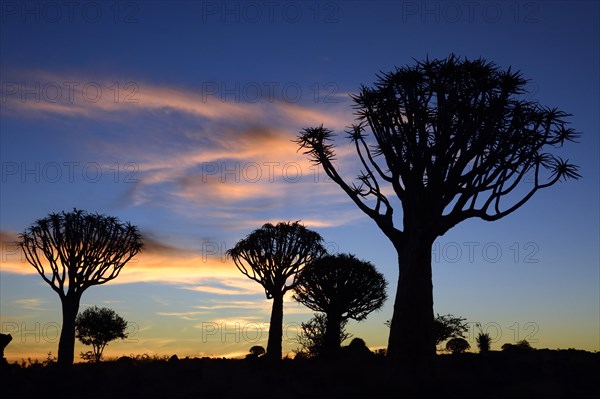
343 287
73 251
97 327
272 256
452 139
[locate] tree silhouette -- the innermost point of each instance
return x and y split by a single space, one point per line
357 349
255 352
73 251
452 139
445 327
457 345
448 326
4 341
484 341
312 335
520 346
97 327
271 256
343 287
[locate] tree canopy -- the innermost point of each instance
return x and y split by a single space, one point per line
341 285
99 326
449 326
274 254
453 139
73 251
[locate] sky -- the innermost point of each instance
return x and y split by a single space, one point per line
180 118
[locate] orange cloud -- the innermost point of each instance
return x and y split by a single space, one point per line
242 158
219 291
101 98
12 259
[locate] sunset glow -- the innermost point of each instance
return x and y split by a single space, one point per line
183 123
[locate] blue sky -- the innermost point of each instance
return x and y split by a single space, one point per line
179 118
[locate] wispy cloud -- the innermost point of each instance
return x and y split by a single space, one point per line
8 237
231 165
12 259
184 271
228 158
190 316
228 305
227 286
218 291
30 303
253 321
99 97
155 246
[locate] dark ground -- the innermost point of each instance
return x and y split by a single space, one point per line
535 374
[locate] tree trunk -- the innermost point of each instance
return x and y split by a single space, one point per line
331 344
66 345
275 329
411 346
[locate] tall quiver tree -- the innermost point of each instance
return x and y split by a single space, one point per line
73 251
272 256
343 287
453 139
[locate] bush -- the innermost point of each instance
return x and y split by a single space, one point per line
255 352
484 342
357 349
457 345
97 327
520 346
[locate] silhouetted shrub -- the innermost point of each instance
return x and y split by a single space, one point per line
87 356
357 349
4 341
381 352
445 327
449 326
312 335
520 346
523 344
300 355
457 345
484 341
97 327
255 352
